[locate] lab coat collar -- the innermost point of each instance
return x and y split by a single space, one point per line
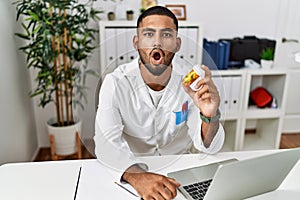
132 70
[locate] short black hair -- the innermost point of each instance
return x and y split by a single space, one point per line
157 10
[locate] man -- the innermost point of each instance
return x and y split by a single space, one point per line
146 109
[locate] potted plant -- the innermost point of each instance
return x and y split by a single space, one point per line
267 57
111 16
58 43
129 14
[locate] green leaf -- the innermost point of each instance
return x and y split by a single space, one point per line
21 35
25 28
36 29
33 16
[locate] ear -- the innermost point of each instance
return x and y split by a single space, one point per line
178 44
135 42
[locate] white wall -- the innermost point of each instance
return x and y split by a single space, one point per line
232 18
220 19
17 129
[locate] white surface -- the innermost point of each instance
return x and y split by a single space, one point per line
39 180
57 180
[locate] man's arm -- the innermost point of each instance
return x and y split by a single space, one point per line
208 132
207 99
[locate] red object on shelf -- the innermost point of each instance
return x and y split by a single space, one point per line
261 97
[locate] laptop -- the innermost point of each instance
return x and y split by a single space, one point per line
233 179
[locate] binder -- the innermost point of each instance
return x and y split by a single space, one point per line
227 81
131 52
220 51
121 45
221 84
182 53
110 49
192 45
235 92
205 53
214 54
226 54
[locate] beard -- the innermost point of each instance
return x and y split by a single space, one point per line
156 69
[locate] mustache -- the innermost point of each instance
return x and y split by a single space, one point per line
157 49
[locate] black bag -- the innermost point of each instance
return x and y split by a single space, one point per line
249 47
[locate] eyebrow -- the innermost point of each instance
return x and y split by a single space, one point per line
161 30
148 29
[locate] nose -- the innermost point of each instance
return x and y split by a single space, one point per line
157 41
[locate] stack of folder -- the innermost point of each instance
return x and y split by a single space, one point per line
217 52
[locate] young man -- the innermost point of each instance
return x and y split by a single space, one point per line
145 108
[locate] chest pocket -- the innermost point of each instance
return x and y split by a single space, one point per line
181 116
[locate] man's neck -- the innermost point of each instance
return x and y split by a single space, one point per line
156 83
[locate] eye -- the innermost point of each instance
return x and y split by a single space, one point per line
148 34
167 34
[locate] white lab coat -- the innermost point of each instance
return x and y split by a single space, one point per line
128 125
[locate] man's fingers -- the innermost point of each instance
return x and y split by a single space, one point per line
174 182
188 89
172 186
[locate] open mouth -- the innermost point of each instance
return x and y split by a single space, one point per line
156 56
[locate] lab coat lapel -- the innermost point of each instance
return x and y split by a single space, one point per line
171 88
139 84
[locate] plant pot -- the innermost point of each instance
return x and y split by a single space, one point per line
129 17
111 16
266 64
65 137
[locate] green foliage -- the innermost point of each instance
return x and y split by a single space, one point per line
267 54
58 44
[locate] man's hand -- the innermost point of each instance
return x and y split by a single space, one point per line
206 98
152 186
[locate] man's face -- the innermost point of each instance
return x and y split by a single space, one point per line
157 43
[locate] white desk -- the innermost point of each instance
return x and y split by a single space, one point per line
57 179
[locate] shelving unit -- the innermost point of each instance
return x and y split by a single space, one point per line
266 136
238 115
265 123
292 111
231 130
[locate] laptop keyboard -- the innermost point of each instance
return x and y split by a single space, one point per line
198 190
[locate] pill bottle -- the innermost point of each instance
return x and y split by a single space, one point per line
194 76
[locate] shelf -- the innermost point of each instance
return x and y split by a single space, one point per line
266 72
255 142
230 115
266 135
259 113
227 72
230 127
273 82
